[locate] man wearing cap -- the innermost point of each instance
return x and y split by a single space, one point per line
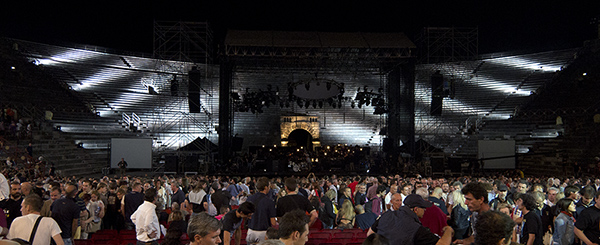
412 232
502 197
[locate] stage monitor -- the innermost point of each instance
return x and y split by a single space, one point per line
137 152
503 150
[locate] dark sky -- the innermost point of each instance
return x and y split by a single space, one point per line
127 25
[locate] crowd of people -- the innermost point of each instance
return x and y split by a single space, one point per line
391 209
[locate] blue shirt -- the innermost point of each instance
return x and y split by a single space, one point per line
265 210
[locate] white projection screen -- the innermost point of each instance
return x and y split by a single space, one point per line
137 152
497 148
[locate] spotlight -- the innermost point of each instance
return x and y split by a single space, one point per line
320 104
307 86
328 86
300 103
314 104
287 104
352 105
307 104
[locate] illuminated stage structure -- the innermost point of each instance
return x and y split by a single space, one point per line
338 80
386 92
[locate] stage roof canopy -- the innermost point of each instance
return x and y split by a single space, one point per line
317 39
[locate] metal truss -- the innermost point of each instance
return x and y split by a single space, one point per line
447 44
183 41
335 59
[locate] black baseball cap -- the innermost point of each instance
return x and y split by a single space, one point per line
414 200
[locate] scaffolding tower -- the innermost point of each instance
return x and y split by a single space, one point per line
447 44
179 46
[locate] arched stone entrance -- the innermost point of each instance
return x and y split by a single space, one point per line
300 138
309 124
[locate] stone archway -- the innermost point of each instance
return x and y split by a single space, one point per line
300 138
309 124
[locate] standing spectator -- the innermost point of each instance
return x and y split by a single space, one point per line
130 203
12 206
586 200
23 226
264 215
65 212
532 223
494 228
113 205
364 220
433 218
178 195
361 195
4 188
54 195
196 196
147 228
328 213
377 205
412 231
587 226
460 216
232 222
436 199
122 167
388 196
476 199
346 195
294 201
501 197
204 229
346 215
293 228
220 198
235 191
564 224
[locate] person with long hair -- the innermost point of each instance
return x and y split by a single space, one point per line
459 215
346 215
564 224
328 213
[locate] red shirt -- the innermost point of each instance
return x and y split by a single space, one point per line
434 219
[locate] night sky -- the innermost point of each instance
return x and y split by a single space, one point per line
127 25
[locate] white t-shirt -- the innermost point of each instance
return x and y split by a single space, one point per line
22 226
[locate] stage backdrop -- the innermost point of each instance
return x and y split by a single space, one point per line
137 152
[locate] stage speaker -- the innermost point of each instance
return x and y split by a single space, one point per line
437 93
194 90
437 164
236 143
171 163
388 144
436 106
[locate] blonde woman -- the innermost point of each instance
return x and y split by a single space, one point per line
328 213
346 215
460 215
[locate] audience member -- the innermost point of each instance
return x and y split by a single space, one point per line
494 228
587 226
564 224
412 232
264 216
293 228
46 229
204 229
232 222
